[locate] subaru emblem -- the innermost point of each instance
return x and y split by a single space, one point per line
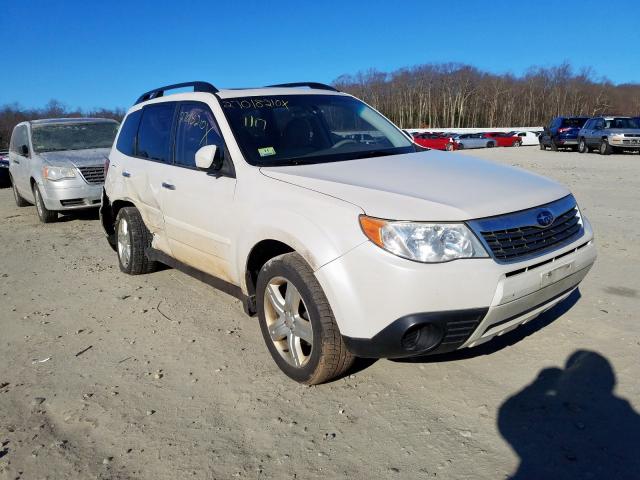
545 218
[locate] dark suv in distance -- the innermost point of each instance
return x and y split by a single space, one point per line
562 133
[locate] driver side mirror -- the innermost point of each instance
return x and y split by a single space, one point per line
209 158
24 150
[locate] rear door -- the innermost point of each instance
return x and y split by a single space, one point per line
197 205
152 162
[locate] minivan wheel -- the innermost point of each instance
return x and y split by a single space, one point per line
45 215
582 146
132 240
605 148
297 322
21 202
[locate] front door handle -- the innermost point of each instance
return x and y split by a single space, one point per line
168 186
126 174
17 161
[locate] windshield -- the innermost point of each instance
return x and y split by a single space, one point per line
622 123
73 136
297 129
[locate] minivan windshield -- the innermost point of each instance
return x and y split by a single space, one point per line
298 129
73 136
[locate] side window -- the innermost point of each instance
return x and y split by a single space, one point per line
127 138
154 134
196 128
19 138
599 123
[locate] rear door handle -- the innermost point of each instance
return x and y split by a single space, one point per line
126 174
168 186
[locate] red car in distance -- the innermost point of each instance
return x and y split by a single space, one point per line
435 141
504 139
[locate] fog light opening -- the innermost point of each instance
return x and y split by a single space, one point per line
420 338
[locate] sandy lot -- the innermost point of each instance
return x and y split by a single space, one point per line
107 376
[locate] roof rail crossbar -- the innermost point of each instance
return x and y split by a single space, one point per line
316 85
159 92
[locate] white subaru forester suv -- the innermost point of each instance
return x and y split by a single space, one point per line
342 247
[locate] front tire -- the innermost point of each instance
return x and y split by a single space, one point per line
44 214
132 240
297 322
605 148
20 202
554 147
542 147
490 144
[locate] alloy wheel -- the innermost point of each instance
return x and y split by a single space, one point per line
288 321
124 242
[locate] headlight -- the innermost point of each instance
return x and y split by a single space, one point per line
58 173
423 242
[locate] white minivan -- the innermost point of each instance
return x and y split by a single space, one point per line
342 247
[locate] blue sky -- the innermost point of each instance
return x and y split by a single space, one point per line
105 53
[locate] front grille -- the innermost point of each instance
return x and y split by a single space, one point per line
93 175
514 243
72 202
635 135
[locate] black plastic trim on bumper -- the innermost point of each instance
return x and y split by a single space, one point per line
455 327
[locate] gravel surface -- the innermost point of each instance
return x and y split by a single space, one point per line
107 376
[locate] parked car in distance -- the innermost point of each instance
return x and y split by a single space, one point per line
473 140
436 141
562 133
609 134
527 138
4 167
341 248
58 164
504 139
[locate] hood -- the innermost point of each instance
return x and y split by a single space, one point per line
426 186
78 158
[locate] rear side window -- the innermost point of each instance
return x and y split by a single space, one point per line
127 138
196 128
154 134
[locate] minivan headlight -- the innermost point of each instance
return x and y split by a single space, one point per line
58 173
423 242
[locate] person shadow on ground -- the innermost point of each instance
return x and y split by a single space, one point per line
568 424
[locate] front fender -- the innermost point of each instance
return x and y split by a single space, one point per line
319 232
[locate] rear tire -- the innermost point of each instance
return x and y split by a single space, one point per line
554 147
517 143
20 202
449 147
132 241
490 144
605 148
291 308
542 147
44 214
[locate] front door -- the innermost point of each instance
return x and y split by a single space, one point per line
197 207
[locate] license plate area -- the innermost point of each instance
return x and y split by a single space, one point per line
555 275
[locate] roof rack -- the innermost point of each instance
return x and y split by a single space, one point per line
316 85
159 92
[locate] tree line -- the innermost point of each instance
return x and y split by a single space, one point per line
11 115
457 95
439 96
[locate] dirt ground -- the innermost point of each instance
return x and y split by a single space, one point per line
108 376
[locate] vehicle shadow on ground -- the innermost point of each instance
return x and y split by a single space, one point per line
568 424
84 214
503 341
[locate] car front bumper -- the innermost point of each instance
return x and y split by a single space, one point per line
70 195
388 307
